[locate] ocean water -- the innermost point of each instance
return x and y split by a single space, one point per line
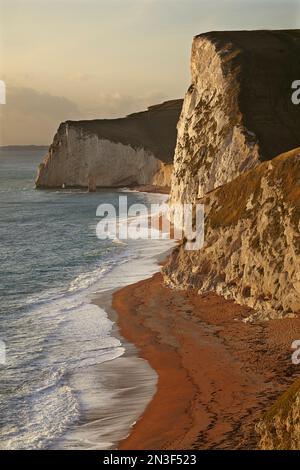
51 266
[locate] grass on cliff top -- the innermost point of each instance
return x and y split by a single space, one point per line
282 405
232 198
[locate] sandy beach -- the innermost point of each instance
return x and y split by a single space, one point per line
216 373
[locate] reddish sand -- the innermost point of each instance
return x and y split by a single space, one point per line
216 374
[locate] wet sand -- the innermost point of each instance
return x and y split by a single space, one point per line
216 374
121 388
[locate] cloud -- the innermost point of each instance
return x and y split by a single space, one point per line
30 116
112 105
30 101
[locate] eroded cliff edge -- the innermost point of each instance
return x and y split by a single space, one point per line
135 150
237 111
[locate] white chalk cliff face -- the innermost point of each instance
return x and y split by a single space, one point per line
238 110
136 150
75 158
236 118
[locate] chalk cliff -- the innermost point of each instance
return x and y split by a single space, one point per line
238 110
237 116
251 249
135 150
233 155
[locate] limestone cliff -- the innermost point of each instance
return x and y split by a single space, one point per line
238 110
279 428
251 251
134 150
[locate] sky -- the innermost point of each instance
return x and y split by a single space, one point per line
87 59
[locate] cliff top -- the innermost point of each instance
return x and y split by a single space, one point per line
249 39
265 63
154 129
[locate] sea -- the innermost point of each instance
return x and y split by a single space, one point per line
62 359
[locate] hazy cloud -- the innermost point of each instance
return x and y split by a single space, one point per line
28 100
112 105
32 116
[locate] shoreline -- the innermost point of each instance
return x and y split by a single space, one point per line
129 379
129 382
216 374
123 386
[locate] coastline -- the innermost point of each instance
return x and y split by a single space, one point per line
216 374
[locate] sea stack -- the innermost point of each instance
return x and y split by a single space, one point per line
131 151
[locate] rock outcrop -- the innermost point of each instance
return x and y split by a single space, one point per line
135 150
251 249
279 428
238 110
